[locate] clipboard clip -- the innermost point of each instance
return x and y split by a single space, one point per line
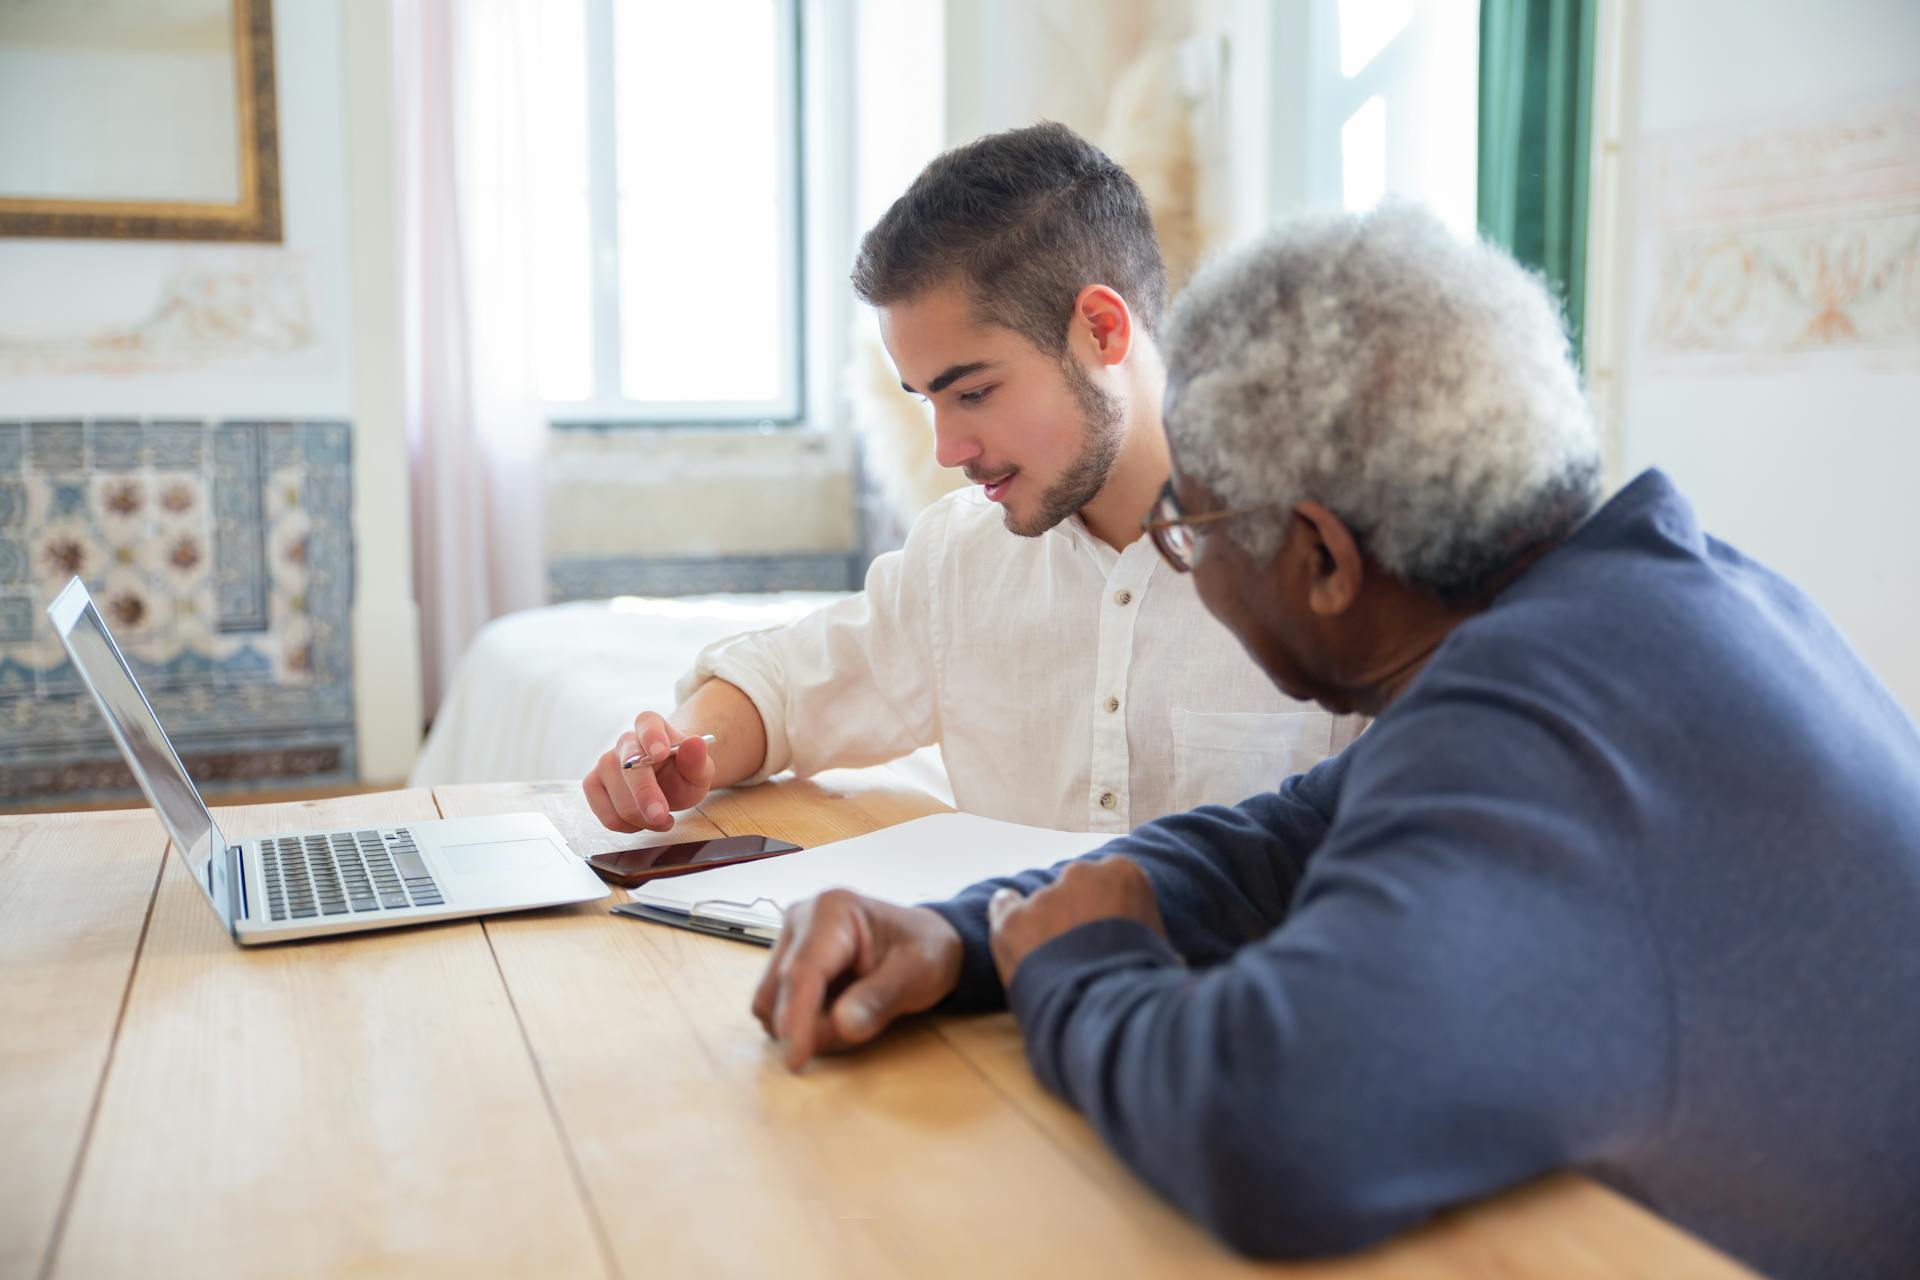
721 917
742 913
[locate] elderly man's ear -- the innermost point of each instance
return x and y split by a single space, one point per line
1323 559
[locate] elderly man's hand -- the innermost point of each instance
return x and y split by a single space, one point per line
845 966
1087 890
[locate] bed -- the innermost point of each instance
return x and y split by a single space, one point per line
541 693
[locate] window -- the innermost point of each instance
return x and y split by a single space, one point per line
1387 104
669 221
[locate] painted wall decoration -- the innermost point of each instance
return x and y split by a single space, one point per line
201 316
220 555
1792 240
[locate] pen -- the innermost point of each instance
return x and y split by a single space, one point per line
633 761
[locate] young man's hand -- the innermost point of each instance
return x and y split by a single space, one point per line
1087 890
644 797
845 966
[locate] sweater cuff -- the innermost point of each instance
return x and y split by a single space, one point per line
978 990
1050 982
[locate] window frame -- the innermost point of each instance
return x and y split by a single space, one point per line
811 121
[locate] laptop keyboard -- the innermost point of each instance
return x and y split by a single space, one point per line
344 872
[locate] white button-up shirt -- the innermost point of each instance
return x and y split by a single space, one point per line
1068 685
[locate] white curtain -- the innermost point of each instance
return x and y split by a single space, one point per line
475 429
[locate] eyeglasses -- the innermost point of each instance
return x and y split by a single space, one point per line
1172 529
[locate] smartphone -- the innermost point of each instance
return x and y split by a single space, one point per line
629 867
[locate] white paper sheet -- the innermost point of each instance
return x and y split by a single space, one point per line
920 861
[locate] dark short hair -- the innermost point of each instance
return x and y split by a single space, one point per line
1024 220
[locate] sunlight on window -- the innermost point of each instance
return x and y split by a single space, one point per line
705 222
1367 27
1414 63
557 149
1363 156
1449 109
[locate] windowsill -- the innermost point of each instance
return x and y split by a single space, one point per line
694 438
728 426
805 435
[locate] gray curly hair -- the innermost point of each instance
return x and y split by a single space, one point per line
1418 385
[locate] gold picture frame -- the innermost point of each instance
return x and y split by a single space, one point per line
254 217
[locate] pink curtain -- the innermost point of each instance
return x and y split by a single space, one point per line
475 429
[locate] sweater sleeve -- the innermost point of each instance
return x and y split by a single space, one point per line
1463 995
1222 877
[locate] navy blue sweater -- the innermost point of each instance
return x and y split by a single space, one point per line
1627 880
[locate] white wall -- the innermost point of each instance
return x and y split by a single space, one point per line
386 621
323 343
1803 454
293 361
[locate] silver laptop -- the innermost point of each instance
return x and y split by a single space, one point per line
277 888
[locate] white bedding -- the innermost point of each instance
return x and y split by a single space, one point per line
541 693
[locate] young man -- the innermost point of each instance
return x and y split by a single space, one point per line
1070 679
1625 876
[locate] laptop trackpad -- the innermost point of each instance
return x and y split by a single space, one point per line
499 867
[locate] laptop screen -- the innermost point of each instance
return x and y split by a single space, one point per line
142 742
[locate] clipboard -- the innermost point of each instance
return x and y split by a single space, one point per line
925 860
756 930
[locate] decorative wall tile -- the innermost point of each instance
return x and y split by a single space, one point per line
16 619
239 480
220 556
56 446
176 445
116 446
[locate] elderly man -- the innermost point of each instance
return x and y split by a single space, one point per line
1624 877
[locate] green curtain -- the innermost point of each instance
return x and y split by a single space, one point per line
1536 109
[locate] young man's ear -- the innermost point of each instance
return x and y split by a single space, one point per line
1334 567
1102 320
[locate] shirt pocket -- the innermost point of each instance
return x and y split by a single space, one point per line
1222 757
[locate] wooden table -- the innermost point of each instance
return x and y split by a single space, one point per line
564 1092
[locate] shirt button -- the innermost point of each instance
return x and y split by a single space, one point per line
1113 704
1107 800
1123 596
